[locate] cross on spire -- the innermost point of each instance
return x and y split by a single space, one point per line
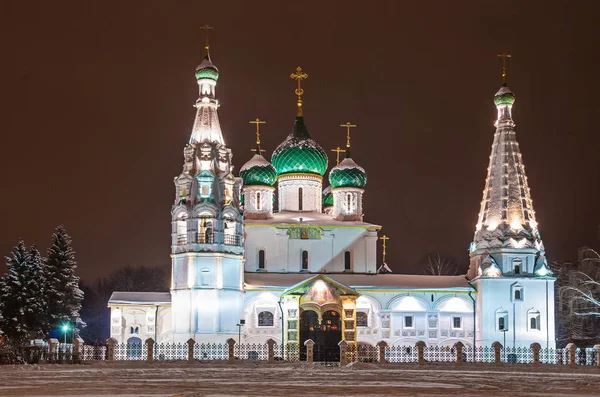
504 57
337 155
348 126
206 28
258 122
384 238
299 75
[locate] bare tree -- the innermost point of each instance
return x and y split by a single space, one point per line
439 265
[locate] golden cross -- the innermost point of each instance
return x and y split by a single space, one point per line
504 56
337 156
299 75
384 238
348 126
258 122
206 28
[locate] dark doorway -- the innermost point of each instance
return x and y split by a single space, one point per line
326 335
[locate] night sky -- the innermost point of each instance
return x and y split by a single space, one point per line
97 106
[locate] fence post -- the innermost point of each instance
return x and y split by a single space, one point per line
271 350
571 349
150 347
53 350
597 351
310 345
110 349
459 351
231 343
77 347
536 347
421 352
343 349
191 344
497 350
381 345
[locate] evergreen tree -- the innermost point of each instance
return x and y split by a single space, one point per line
38 318
63 295
16 296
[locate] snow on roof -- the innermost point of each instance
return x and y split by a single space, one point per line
145 298
361 281
308 218
348 163
256 160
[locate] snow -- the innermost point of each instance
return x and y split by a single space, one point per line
308 218
156 298
403 281
256 161
128 379
503 90
348 163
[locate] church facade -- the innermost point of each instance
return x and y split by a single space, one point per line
272 254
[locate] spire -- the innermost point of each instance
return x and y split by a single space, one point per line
504 57
506 203
207 128
299 75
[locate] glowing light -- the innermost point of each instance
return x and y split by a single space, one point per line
492 271
478 226
533 224
542 271
320 286
492 226
65 327
516 224
518 244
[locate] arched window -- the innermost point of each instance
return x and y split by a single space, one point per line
304 260
265 319
347 260
261 259
533 323
501 323
182 230
362 319
205 277
258 201
517 264
517 294
299 199
517 269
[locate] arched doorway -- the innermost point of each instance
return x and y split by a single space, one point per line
134 348
326 334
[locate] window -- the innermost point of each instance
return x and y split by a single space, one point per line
533 323
501 324
205 277
182 231
304 260
135 330
348 202
534 320
299 199
456 322
347 260
517 264
261 259
205 190
265 319
408 321
517 269
258 203
518 295
362 319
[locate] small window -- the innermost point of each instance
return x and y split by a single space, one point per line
348 202
258 201
517 264
205 190
300 199
347 260
501 324
456 322
304 260
261 259
517 269
182 231
265 319
408 321
205 277
518 295
533 323
362 319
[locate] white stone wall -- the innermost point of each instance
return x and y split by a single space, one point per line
312 189
140 321
252 196
347 204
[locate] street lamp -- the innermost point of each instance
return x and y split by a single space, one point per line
504 330
240 325
65 329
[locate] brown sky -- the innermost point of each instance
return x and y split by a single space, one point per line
96 106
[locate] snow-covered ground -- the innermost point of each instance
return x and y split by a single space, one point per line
127 379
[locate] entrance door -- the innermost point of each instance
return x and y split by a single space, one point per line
326 335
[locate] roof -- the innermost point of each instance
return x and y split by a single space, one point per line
143 298
308 218
361 281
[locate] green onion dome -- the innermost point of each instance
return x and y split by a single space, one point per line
327 197
348 174
299 153
206 70
258 171
504 96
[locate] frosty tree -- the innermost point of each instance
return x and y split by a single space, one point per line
438 265
22 304
63 295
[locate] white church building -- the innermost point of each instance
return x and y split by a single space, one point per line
273 254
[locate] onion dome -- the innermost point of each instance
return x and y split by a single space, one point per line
348 174
327 197
504 96
299 153
206 70
258 171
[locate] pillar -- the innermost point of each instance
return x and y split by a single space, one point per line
77 347
190 344
382 345
53 349
597 350
231 343
110 349
535 348
150 349
497 350
310 350
343 350
571 349
271 350
421 352
458 347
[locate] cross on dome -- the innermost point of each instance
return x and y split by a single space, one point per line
337 154
504 57
299 75
258 122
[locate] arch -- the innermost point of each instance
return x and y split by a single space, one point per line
365 301
362 319
453 303
179 211
304 260
134 348
205 207
407 302
265 319
261 258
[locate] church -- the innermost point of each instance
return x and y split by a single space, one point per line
281 251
